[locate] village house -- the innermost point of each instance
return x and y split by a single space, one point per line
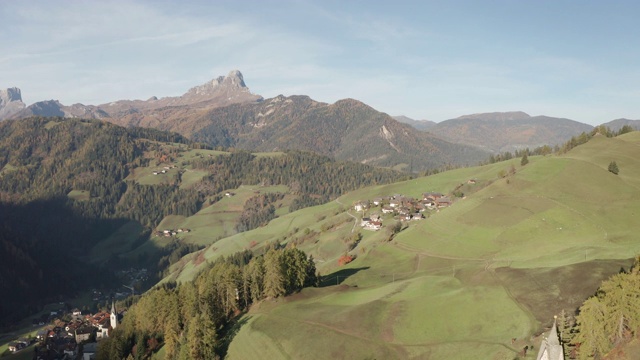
387 210
373 225
432 196
377 201
84 333
395 203
19 345
361 205
443 202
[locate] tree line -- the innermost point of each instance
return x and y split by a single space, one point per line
258 210
583 138
189 320
607 320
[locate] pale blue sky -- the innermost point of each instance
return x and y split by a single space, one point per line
431 60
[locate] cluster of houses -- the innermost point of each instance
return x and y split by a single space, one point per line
405 208
171 232
20 344
164 170
61 339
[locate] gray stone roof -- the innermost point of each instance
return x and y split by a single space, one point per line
551 349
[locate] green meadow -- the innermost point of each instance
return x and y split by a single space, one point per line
460 284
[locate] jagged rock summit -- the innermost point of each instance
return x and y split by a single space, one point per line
230 86
10 102
233 80
221 91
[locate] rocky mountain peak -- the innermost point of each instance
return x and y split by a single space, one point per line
232 82
10 94
10 102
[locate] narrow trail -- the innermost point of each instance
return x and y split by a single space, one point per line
355 219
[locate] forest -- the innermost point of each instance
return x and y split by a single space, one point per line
607 321
194 320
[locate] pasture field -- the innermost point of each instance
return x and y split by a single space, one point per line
79 195
460 284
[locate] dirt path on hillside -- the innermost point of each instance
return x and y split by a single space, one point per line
355 219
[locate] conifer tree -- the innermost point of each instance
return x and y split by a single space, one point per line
613 167
274 279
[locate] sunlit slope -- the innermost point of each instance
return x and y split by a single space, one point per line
496 265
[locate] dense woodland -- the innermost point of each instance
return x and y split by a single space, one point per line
45 232
607 321
193 320
258 211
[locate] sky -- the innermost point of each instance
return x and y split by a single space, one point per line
432 60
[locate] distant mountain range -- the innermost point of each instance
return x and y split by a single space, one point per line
418 124
508 131
221 91
346 130
617 124
224 112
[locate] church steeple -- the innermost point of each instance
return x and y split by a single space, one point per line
114 315
551 349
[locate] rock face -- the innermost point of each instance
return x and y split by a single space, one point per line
10 102
222 91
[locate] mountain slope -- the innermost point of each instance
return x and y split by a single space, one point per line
347 130
223 112
422 125
77 194
616 125
495 266
499 132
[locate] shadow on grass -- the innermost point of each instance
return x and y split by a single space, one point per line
339 276
230 331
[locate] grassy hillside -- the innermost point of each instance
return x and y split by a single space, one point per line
87 194
461 284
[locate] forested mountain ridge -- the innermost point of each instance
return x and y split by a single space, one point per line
508 131
617 124
347 130
66 185
423 125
